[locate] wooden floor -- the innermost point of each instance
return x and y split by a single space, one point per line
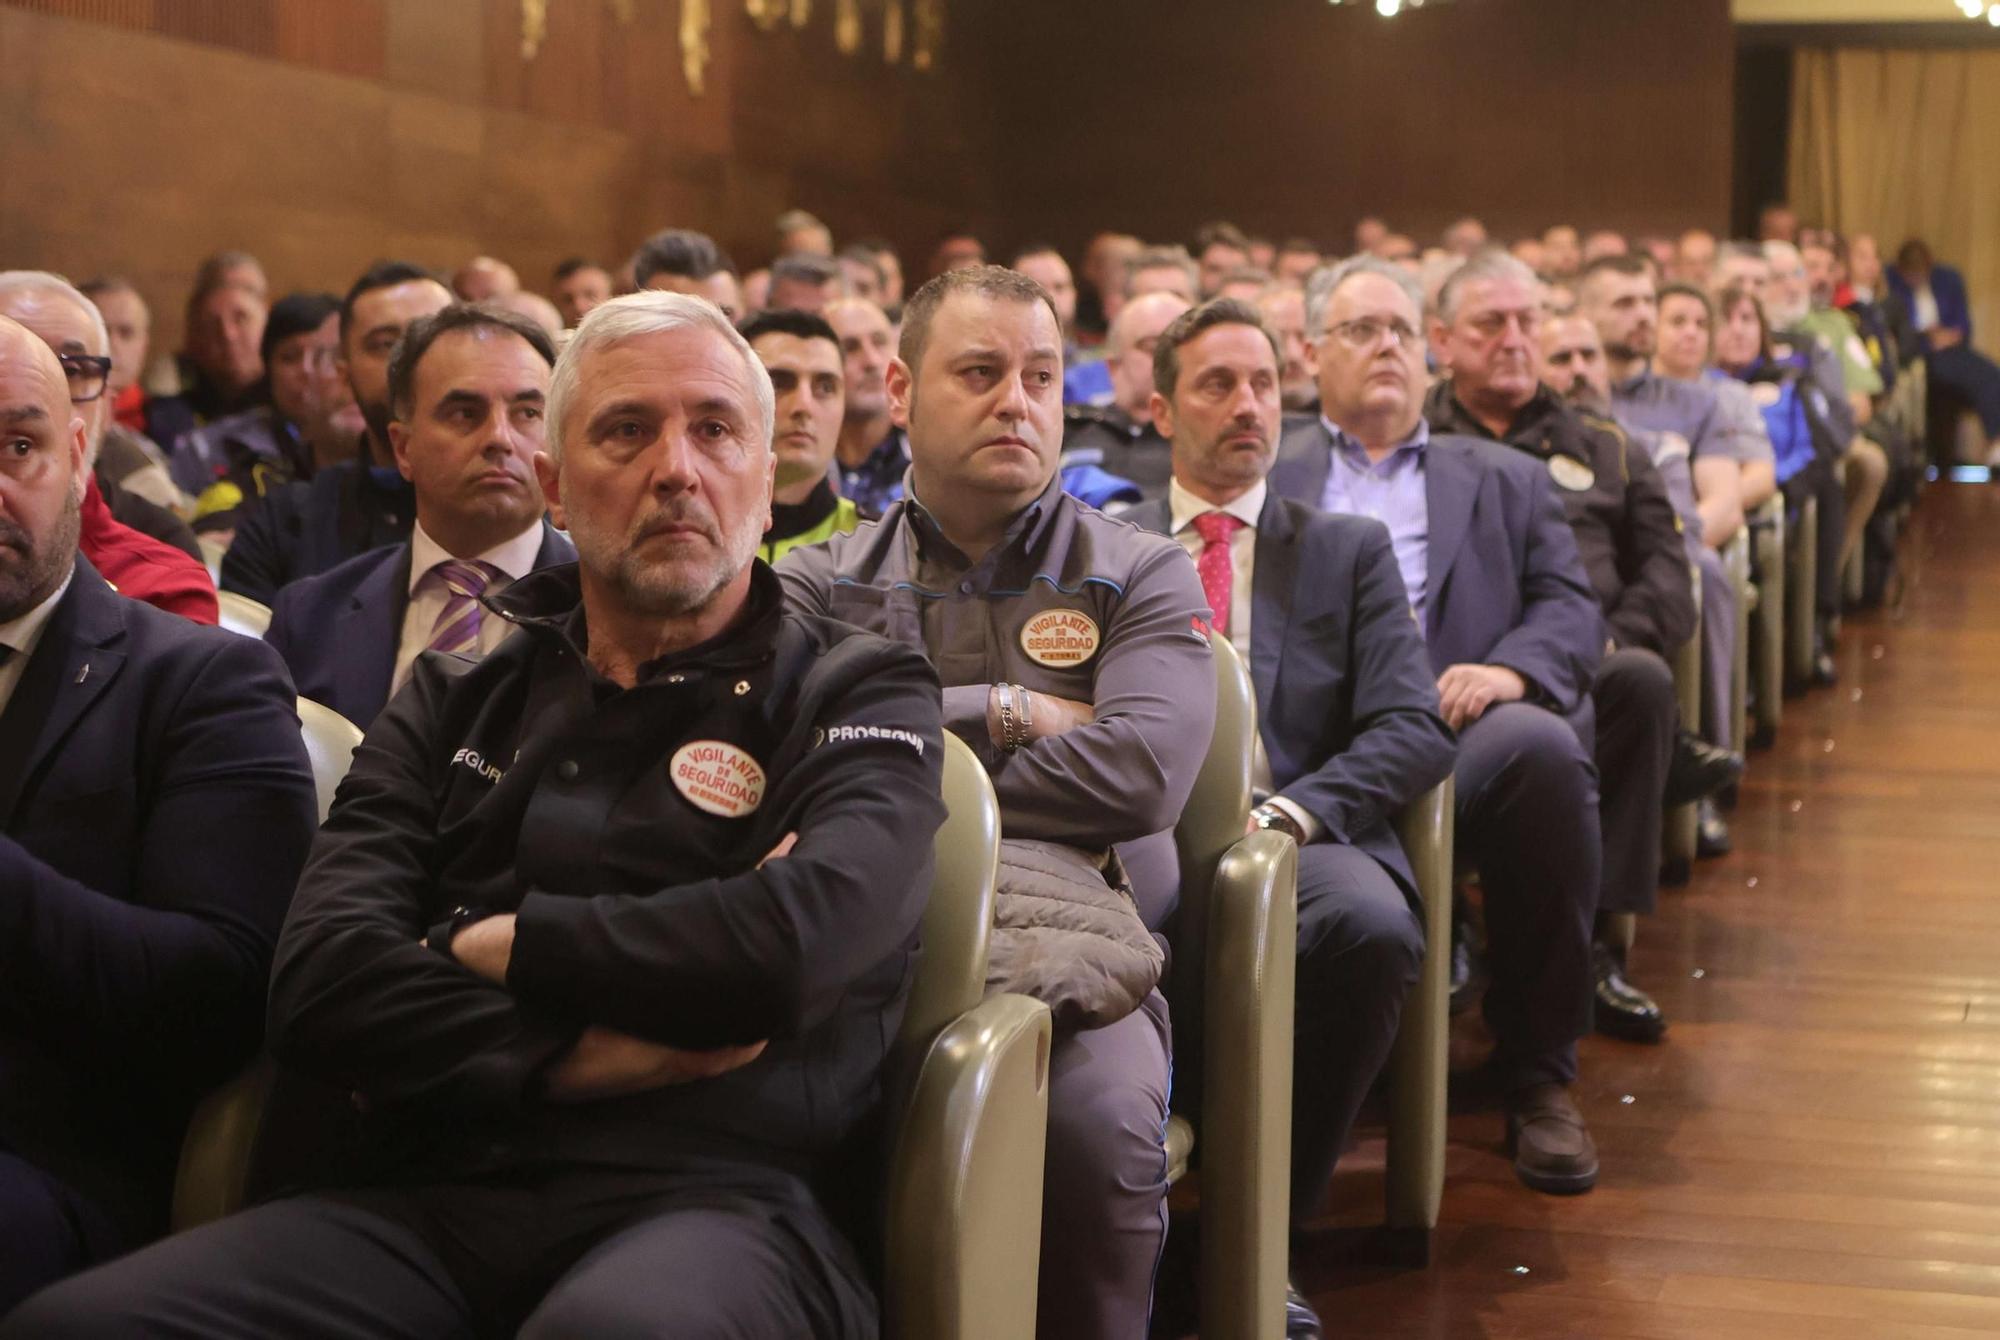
1815 1149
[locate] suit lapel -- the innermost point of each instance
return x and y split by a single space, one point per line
75 661
1272 581
1451 486
372 624
1305 457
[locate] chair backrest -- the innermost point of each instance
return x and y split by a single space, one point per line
958 919
241 614
1219 806
211 556
330 743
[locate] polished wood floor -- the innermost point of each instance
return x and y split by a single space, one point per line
1815 1149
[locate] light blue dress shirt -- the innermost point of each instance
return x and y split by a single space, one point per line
1391 491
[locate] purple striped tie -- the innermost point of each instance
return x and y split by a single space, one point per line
457 626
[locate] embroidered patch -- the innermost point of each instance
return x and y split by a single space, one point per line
1060 638
717 777
1571 473
471 758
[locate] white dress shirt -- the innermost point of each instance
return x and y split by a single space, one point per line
22 636
1183 507
515 559
1924 308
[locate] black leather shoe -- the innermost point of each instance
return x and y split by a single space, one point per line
1301 1322
1711 832
1699 769
1622 1010
1823 672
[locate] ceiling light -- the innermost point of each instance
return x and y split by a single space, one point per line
1971 8
1388 8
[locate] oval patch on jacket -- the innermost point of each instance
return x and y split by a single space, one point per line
717 777
1060 638
1571 473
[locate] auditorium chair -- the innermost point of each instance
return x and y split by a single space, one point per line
1678 835
1420 1064
1736 562
1767 539
968 1083
211 556
1802 582
1234 963
241 614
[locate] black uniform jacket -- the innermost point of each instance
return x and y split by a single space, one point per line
624 827
1624 522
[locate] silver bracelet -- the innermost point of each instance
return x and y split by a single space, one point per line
1022 699
1004 695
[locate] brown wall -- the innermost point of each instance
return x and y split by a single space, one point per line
1292 116
138 135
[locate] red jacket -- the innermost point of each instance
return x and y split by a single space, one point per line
142 567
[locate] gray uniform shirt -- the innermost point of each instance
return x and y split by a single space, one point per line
1659 404
1072 603
1741 433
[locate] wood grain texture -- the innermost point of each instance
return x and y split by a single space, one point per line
1814 1153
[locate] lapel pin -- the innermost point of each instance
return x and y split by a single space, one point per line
83 673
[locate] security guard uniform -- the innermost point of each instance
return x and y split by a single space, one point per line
821 516
1630 542
1076 604
1106 437
624 828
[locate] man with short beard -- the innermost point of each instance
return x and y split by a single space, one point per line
599 932
350 507
155 805
1072 662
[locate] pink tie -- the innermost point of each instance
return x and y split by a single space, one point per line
1218 574
457 626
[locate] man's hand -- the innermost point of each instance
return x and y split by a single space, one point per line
1048 716
486 947
1466 691
784 848
1944 337
605 1063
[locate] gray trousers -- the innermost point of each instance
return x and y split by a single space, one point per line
1104 1192
1718 647
602 1255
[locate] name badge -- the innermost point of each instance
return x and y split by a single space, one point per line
1060 639
1571 473
717 777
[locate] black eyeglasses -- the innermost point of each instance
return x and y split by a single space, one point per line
88 375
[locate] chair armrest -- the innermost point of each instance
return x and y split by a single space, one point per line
1246 1119
1420 1064
964 1213
220 1144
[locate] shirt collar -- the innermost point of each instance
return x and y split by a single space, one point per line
514 558
1343 443
1184 506
1026 530
25 632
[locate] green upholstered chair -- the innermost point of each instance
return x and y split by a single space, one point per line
1420 1063
1802 586
1767 539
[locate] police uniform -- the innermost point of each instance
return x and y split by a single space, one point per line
1106 437
1629 540
1075 604
623 827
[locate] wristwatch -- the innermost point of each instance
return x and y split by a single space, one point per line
1271 818
442 934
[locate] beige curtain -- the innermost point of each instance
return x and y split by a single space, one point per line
1905 144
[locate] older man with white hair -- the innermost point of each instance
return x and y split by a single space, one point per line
599 934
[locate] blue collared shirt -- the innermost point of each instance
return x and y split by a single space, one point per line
878 480
1392 492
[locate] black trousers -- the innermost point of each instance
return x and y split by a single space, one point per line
48 1230
1973 378
605 1253
1820 480
1637 718
1527 818
1360 950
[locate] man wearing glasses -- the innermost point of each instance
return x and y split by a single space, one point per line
136 565
1514 637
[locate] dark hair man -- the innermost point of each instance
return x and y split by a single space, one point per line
804 283
1067 646
680 260
469 389
625 852
580 284
1218 249
803 355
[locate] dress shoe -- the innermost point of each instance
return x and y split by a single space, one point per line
1301 1322
1711 831
1622 1010
1699 769
1552 1148
1823 671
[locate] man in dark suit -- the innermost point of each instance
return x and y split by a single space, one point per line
1934 298
468 387
1347 713
155 806
1514 635
1487 333
308 526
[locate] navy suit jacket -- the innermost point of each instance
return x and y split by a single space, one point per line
1506 584
1947 287
339 631
155 808
1346 703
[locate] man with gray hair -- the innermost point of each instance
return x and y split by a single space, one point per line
626 851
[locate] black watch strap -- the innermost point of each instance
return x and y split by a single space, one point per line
442 934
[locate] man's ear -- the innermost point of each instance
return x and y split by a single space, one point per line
901 385
399 445
1440 344
1163 415
79 458
549 475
